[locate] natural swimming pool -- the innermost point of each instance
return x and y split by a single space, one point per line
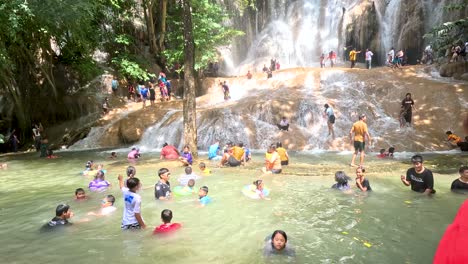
324 226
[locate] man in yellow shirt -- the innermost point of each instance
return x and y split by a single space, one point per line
234 156
352 57
360 132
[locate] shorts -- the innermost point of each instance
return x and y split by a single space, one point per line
359 146
331 119
131 226
233 162
408 116
274 171
284 162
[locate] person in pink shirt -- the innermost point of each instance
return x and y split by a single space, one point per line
169 152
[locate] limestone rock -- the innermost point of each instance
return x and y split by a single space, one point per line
464 76
454 68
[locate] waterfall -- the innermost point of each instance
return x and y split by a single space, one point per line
297 36
388 16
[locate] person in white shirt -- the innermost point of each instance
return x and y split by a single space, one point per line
391 56
132 218
283 124
183 179
369 55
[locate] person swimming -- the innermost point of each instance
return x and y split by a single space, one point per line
278 245
341 181
134 153
259 189
99 183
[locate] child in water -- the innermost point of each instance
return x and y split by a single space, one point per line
88 168
183 179
80 194
259 189
132 218
107 206
386 154
113 155
341 181
62 214
131 172
189 186
203 196
204 169
167 226
278 245
99 183
361 182
186 157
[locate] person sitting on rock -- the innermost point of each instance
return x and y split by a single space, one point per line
169 152
283 124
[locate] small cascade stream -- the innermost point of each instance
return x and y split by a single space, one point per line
252 120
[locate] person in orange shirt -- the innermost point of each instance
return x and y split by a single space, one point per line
452 138
360 133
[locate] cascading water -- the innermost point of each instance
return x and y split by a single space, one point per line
299 35
389 24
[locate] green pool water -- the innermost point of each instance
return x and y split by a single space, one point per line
324 226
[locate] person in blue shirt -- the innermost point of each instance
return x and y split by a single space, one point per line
144 94
213 151
203 196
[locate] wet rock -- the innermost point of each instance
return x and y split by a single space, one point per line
464 76
130 131
454 69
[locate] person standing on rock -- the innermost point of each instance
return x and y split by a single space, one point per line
407 106
353 56
144 95
332 57
37 137
322 61
152 94
391 56
330 120
360 133
105 106
369 55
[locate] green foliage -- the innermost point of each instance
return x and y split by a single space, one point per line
130 68
87 69
459 6
444 36
208 30
244 4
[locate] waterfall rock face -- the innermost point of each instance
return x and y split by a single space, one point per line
297 32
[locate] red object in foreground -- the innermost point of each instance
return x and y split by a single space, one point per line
452 246
166 228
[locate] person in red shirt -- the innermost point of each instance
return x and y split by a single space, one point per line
249 75
167 226
452 245
169 152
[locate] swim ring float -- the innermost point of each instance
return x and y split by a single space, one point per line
249 191
182 191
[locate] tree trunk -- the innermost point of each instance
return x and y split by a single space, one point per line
149 4
163 24
190 113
